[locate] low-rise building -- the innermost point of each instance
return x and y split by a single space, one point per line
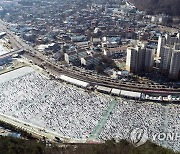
81 53
91 60
97 58
71 57
114 52
87 61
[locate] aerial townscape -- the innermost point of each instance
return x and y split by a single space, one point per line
89 71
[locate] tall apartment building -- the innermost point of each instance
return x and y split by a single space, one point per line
174 70
169 40
131 59
170 61
178 36
139 59
149 59
166 54
161 43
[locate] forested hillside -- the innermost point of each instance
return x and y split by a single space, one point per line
9 145
170 7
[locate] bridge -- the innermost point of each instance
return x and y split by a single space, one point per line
9 54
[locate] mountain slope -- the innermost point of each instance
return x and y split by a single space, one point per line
170 7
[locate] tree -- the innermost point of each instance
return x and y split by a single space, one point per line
99 69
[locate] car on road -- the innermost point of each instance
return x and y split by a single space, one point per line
57 139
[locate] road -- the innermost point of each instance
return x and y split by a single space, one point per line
9 54
36 131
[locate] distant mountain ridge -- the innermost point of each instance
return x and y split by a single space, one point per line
169 7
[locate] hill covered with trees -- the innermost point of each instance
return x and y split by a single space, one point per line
9 145
169 7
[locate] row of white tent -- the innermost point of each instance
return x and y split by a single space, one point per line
117 92
103 89
73 81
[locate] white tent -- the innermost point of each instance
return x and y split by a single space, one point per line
74 81
130 94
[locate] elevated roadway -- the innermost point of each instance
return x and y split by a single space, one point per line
9 54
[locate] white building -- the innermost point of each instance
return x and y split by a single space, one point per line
171 39
135 59
167 39
161 43
159 19
149 59
154 19
141 57
131 59
175 64
165 59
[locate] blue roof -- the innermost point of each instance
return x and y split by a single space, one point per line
16 135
